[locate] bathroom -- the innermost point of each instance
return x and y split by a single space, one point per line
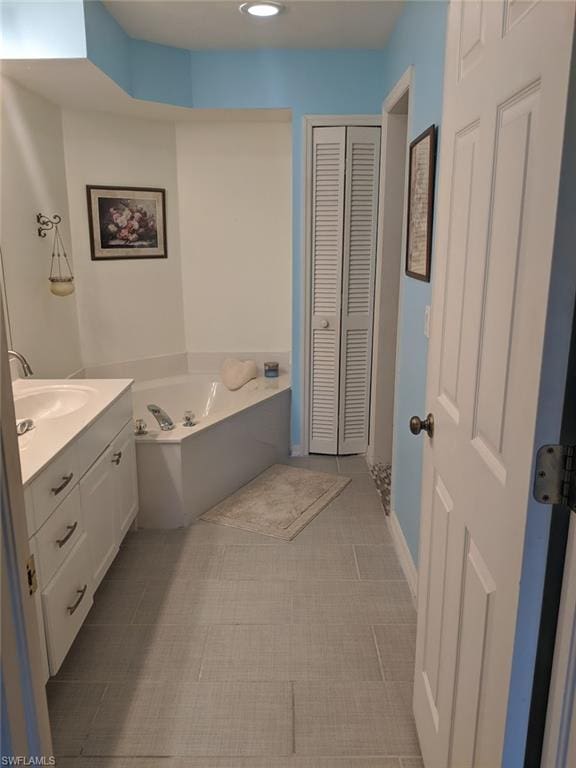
238 345
175 599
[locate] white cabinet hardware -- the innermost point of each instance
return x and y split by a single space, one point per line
81 593
66 480
69 533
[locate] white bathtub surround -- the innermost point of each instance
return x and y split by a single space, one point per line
208 362
185 472
144 369
280 502
236 373
166 366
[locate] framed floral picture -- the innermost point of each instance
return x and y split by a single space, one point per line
421 176
127 222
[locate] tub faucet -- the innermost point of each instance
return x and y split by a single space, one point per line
26 370
166 423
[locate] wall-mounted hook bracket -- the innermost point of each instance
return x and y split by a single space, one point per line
46 223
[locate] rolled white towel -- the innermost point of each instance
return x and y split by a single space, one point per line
236 373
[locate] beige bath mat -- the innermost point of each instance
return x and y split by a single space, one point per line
279 502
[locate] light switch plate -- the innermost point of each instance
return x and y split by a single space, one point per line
427 321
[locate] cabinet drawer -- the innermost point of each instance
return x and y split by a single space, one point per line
57 537
103 431
52 486
66 602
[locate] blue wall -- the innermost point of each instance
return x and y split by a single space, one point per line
418 40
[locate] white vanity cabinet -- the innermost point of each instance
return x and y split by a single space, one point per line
79 508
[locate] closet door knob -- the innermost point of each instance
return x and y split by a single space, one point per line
325 324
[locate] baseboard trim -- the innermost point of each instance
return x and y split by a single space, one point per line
404 554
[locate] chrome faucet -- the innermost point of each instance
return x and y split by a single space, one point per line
166 423
26 370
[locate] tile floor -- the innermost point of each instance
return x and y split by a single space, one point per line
218 648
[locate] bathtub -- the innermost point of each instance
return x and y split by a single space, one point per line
185 472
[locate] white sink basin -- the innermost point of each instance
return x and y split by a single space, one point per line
51 402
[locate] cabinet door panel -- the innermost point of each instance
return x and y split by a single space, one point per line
124 463
98 496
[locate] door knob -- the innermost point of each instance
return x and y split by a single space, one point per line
324 323
417 425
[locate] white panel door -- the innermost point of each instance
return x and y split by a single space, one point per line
359 265
329 146
505 91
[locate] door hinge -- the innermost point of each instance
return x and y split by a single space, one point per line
555 478
31 575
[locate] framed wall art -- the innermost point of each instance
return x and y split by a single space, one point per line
421 175
127 222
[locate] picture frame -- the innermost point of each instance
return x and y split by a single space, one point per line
420 213
126 222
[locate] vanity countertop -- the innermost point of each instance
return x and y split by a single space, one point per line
61 409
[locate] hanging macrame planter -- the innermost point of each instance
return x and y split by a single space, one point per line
61 277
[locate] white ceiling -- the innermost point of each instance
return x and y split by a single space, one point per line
202 24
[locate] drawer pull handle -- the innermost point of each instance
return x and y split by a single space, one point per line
81 593
116 457
65 481
70 529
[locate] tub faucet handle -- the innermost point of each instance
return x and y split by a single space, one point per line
188 419
140 427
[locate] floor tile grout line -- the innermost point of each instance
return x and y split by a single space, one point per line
293 717
375 641
203 654
356 561
93 718
139 603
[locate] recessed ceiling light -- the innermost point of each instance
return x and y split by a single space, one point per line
261 9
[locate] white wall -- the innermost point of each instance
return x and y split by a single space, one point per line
44 327
234 182
129 309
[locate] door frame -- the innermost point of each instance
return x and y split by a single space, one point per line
309 122
389 269
546 727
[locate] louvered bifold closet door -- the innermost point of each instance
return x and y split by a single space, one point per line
329 146
359 264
